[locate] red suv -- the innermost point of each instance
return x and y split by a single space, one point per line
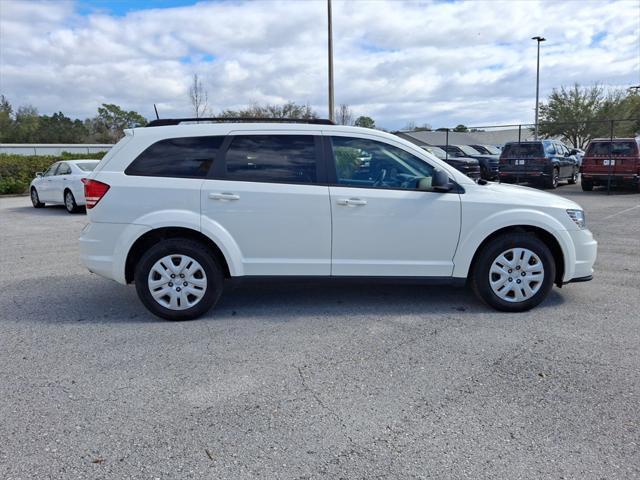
617 159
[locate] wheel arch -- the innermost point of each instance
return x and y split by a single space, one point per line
151 237
547 237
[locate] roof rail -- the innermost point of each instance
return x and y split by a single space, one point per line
177 121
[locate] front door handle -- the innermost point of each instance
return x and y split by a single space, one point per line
224 196
352 201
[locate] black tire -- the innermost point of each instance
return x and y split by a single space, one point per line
70 202
180 246
573 179
480 279
552 182
35 199
586 186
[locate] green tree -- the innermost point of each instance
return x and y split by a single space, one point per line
364 121
286 110
111 122
6 120
460 128
26 125
571 112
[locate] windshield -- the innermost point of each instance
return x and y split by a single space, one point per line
437 151
87 166
523 150
615 148
491 149
469 150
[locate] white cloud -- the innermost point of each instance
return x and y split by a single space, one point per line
438 63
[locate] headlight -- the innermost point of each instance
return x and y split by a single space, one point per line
578 217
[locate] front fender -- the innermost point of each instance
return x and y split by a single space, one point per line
471 238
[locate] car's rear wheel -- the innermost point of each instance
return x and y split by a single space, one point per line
178 279
573 179
514 272
586 185
35 199
70 202
553 180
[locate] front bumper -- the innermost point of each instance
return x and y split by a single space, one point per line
586 248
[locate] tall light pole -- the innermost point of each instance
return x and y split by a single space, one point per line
332 113
538 39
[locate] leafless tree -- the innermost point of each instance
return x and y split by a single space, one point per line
199 97
344 115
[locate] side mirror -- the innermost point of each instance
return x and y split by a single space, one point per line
38 174
440 181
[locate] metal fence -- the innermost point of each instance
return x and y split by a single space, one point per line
55 149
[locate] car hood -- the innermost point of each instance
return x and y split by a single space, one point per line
525 196
491 158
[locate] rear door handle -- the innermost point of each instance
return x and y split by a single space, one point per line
351 201
224 196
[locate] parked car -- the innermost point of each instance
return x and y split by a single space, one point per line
179 208
617 162
489 164
62 184
487 149
546 162
469 166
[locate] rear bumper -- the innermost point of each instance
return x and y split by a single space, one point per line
104 247
512 177
617 179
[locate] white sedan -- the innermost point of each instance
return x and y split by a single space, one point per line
62 184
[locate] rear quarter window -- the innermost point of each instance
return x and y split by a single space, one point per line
272 158
612 148
188 157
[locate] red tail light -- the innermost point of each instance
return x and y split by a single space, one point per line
94 191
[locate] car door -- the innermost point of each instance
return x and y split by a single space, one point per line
46 184
59 182
382 225
266 193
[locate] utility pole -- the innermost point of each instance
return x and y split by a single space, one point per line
539 40
332 113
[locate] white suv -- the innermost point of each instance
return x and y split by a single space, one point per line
178 207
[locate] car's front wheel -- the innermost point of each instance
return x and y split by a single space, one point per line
178 279
514 272
35 200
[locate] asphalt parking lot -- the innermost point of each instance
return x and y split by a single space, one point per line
299 381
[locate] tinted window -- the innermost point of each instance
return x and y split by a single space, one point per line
189 157
366 163
272 158
522 150
550 148
617 148
51 170
63 169
467 150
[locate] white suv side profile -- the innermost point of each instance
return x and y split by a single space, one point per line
179 206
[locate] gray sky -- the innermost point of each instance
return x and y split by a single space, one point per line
440 63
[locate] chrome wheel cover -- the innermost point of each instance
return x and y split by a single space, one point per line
177 282
516 275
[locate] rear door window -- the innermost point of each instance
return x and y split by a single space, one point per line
272 159
523 150
63 169
188 157
609 148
